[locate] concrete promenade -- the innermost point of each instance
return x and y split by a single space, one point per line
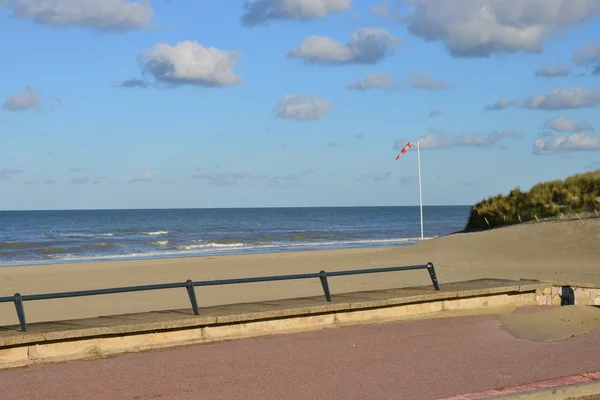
413 360
104 336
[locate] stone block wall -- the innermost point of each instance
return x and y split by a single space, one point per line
568 295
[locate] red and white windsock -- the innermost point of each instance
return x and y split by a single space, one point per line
408 146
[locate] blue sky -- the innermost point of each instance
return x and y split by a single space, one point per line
122 104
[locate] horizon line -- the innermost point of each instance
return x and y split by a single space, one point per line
226 208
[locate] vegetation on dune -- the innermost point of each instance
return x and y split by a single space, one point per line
578 193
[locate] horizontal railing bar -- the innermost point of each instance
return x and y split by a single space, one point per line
256 279
93 292
376 270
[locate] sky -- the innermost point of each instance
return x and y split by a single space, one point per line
276 103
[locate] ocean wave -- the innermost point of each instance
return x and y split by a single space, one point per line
86 235
156 233
76 249
211 245
16 245
86 253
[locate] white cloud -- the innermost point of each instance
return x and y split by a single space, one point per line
5 173
377 80
553 144
82 180
434 113
589 56
366 46
479 28
301 107
143 177
262 11
133 83
553 71
222 178
29 99
564 124
104 15
359 135
407 180
438 139
558 99
191 63
383 11
375 177
235 178
424 81
502 104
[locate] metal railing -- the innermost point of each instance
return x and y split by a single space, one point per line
18 299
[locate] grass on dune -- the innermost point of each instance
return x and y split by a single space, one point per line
577 193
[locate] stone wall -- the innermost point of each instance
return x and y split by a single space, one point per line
569 295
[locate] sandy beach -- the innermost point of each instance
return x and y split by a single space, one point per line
559 251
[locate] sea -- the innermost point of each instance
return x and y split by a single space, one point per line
48 237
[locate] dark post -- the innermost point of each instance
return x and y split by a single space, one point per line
190 289
431 270
323 277
20 312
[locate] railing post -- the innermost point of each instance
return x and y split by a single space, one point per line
323 277
20 312
431 271
189 285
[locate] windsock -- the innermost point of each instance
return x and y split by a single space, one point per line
408 146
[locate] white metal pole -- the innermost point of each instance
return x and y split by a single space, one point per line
420 190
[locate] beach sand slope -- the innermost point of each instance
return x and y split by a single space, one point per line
560 251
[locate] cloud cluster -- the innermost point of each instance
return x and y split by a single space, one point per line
383 11
435 112
558 99
554 144
133 83
424 81
564 124
30 99
558 70
142 177
262 11
103 15
236 178
375 177
5 173
366 46
589 56
189 62
438 139
377 80
479 28
302 108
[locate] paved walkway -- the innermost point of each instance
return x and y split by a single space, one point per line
425 359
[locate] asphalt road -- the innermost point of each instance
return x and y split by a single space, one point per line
425 359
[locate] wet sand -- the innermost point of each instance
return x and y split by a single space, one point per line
561 251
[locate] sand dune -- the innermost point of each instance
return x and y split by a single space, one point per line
563 251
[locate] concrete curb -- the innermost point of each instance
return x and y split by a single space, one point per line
568 392
564 388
